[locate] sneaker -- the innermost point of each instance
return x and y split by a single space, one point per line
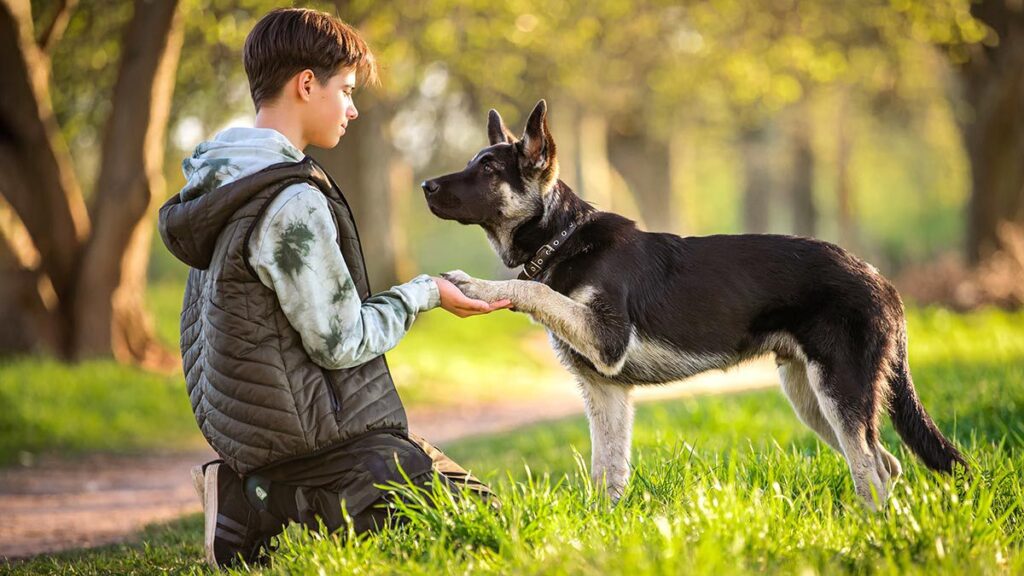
198 473
199 483
232 529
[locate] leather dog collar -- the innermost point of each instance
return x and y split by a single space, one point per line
535 265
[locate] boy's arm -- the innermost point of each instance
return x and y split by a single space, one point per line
295 254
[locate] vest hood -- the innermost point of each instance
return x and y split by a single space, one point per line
222 175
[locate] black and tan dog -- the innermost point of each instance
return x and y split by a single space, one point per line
625 307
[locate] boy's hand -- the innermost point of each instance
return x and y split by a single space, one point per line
454 301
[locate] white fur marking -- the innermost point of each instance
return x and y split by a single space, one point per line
859 456
610 412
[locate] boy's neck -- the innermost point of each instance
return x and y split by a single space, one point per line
276 119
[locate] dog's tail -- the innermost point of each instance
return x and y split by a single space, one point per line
913 423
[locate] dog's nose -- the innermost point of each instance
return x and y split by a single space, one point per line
430 187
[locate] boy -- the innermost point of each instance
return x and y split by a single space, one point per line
281 341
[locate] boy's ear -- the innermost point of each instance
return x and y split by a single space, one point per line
497 133
538 147
303 82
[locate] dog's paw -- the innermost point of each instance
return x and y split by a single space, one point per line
486 290
471 287
457 277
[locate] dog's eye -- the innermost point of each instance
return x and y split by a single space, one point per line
490 166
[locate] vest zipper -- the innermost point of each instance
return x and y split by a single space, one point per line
335 403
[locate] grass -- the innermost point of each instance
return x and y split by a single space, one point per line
94 406
721 485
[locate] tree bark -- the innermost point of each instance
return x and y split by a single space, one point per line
36 174
26 306
994 135
84 296
361 164
109 316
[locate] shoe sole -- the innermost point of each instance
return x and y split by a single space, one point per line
199 483
210 509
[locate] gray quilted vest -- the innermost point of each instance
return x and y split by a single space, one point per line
258 398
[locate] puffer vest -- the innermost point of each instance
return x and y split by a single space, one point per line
257 396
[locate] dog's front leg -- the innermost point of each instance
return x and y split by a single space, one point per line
610 412
603 342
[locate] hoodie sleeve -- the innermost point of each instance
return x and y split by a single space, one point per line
295 254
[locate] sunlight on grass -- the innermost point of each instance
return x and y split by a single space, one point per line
94 406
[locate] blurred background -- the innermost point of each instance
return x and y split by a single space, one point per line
893 128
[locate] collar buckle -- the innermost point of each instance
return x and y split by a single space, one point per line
534 266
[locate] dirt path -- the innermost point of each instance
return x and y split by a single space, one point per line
99 500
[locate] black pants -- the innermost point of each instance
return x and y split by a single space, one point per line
307 492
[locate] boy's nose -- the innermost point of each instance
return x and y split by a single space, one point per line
430 187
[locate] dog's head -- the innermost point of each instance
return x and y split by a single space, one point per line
505 184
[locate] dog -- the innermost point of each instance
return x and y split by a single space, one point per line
624 308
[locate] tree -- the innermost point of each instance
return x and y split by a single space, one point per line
993 75
89 263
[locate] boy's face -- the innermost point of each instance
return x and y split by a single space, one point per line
331 109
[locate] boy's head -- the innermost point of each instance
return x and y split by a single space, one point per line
308 62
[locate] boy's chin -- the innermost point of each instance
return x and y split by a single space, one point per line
326 140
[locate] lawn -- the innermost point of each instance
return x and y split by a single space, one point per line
721 485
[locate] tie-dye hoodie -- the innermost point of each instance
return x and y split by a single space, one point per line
294 252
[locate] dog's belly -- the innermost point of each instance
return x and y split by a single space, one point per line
646 362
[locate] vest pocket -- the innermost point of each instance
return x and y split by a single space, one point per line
331 393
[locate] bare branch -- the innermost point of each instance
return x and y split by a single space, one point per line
49 37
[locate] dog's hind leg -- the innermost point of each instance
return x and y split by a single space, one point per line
851 418
610 412
793 376
888 464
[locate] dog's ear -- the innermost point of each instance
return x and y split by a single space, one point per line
497 133
538 147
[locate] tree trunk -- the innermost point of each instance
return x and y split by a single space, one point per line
85 294
361 164
805 215
26 306
994 136
758 184
109 315
644 164
36 174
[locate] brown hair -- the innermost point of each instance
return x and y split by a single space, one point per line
289 40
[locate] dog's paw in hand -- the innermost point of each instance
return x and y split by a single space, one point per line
473 287
457 277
